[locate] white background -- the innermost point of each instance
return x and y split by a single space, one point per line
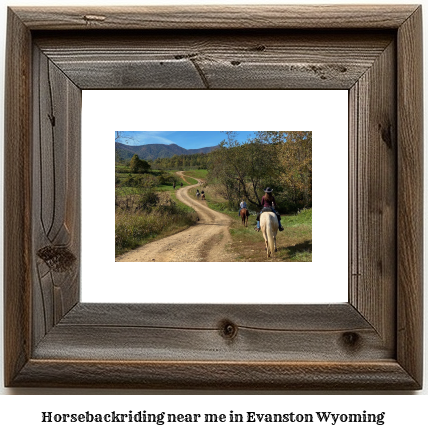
324 280
404 412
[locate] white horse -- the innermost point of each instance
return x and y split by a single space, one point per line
269 228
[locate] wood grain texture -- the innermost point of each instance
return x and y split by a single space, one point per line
199 332
372 342
410 196
56 194
340 317
386 375
217 17
216 59
373 178
17 199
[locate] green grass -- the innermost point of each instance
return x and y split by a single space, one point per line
127 191
303 217
122 176
189 181
122 168
198 173
294 243
165 187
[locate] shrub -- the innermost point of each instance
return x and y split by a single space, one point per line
147 200
130 181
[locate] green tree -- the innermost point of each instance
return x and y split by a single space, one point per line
294 166
279 159
244 169
138 166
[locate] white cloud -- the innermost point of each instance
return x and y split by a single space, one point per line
145 137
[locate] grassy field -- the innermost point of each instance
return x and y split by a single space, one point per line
199 174
294 244
139 221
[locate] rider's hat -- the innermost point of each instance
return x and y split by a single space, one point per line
268 190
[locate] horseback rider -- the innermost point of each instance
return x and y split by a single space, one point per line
242 205
268 204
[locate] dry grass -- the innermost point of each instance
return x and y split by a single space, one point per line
136 227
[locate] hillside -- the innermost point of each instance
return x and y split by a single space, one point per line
153 151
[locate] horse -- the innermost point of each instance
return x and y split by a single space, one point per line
269 227
244 213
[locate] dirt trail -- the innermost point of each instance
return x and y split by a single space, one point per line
207 241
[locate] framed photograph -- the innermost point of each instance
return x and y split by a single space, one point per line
372 341
218 248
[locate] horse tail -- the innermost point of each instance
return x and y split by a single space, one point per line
269 233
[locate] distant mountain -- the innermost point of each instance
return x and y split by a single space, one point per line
153 151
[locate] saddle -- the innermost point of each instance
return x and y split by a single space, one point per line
266 209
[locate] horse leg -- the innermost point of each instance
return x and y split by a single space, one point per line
267 245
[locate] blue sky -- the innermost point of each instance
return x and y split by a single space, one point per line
185 139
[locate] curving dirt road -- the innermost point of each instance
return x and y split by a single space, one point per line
207 241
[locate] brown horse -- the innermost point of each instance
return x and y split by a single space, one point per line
244 213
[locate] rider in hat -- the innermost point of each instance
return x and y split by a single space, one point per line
268 204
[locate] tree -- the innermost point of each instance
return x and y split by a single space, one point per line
138 166
294 167
243 169
279 159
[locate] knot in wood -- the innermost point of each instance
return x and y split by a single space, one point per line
228 330
351 340
386 134
58 259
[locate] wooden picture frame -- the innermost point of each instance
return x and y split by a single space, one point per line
372 342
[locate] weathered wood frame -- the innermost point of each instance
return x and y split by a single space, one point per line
372 342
